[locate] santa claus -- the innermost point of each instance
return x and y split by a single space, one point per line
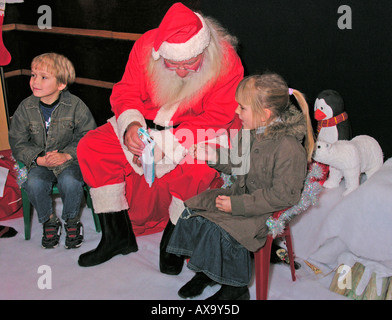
179 84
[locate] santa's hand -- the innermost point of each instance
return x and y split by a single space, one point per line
132 140
158 154
136 160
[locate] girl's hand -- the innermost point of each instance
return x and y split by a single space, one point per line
223 203
192 151
203 152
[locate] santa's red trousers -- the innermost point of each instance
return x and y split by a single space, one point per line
103 162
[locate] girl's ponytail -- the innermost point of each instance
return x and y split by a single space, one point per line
309 138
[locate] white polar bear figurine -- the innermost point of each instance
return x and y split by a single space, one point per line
349 158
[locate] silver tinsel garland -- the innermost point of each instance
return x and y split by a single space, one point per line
309 197
21 174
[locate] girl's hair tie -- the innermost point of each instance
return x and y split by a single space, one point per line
291 91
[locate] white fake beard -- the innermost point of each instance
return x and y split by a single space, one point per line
169 88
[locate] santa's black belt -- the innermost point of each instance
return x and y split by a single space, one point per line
150 124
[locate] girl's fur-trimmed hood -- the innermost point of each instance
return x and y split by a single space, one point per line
292 122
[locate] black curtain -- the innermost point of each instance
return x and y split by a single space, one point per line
301 40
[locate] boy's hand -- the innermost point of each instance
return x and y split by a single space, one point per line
53 159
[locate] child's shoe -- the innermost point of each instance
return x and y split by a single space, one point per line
51 233
231 293
74 233
196 286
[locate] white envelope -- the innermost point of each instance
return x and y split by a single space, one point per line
3 179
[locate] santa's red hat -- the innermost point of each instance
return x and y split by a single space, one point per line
182 34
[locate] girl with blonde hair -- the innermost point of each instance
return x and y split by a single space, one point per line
220 227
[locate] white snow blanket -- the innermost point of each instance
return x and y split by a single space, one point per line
348 229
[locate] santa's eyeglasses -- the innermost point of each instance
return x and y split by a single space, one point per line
192 65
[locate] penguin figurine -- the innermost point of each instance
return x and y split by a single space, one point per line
332 120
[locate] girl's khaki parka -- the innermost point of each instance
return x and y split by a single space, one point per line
272 181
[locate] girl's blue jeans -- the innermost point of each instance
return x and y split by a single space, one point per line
39 184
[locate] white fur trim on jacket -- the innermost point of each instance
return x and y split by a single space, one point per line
110 198
184 51
175 209
126 118
165 113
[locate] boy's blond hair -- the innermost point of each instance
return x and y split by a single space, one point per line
56 64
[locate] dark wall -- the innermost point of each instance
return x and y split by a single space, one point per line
93 58
301 41
298 39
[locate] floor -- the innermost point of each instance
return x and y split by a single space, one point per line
28 271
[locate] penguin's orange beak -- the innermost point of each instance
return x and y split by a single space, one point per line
319 115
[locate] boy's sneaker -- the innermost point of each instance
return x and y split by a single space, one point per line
51 233
74 236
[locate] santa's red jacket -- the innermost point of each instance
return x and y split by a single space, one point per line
116 183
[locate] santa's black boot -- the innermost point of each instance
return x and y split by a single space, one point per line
169 263
117 238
